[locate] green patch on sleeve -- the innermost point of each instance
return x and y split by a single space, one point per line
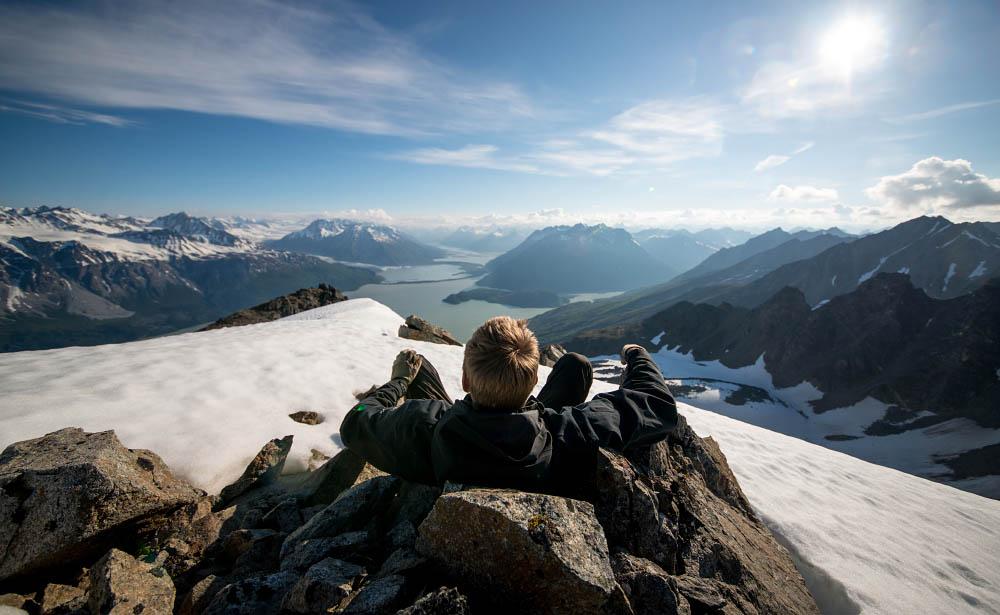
360 407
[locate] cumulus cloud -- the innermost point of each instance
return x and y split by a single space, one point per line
774 160
328 64
803 194
935 185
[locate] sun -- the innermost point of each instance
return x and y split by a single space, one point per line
853 44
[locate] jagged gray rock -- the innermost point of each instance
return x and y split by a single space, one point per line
253 595
306 417
650 590
67 496
382 595
284 517
58 599
323 587
445 601
264 469
121 584
351 511
548 354
710 547
416 328
547 553
344 470
201 595
279 307
303 554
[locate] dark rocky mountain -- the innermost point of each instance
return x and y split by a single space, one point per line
279 307
564 322
886 339
358 242
665 530
575 259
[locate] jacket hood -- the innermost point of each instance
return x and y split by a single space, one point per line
487 446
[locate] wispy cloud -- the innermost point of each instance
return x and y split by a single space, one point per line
940 111
802 193
332 65
62 115
471 156
774 160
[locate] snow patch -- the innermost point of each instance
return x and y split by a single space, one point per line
656 340
903 270
820 304
833 281
868 274
979 271
948 276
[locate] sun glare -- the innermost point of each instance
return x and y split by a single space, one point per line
853 44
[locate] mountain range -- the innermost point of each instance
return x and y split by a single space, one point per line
70 277
575 259
943 259
358 242
681 249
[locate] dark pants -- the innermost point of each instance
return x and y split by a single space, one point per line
568 384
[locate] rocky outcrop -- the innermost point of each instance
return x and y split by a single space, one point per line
548 354
279 307
306 417
547 552
263 470
122 585
665 530
66 496
416 328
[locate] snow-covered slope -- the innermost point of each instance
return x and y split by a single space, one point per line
872 537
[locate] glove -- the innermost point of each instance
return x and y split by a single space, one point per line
406 365
626 349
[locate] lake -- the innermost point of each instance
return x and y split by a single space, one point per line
420 290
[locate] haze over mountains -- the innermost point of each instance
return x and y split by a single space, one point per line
576 259
358 242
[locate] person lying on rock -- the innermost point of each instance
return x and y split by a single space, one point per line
500 435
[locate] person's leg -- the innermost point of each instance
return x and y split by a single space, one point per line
569 383
427 384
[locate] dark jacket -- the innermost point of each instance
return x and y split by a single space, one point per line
432 441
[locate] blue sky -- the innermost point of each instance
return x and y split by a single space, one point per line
641 113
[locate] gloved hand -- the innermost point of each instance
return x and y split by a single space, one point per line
626 349
406 365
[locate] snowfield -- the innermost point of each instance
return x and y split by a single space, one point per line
870 539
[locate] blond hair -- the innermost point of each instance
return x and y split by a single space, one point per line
501 363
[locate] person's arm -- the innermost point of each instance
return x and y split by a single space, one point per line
394 440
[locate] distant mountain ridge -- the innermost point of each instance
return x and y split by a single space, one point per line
886 339
575 259
945 260
359 242
72 277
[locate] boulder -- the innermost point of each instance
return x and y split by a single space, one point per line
445 601
121 584
263 470
262 554
548 354
547 553
344 470
284 517
416 328
380 597
62 599
201 595
323 587
253 595
306 417
350 546
401 561
66 497
351 511
650 590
